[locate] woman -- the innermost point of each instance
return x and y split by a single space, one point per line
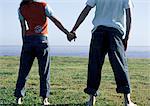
33 14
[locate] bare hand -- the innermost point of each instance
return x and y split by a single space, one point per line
73 33
71 36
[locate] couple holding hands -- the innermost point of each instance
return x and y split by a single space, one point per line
107 37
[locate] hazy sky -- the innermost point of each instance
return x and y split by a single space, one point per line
67 12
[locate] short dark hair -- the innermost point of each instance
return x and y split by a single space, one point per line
24 3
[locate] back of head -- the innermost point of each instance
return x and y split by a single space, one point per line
25 2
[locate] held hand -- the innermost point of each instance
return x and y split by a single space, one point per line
125 43
71 36
74 34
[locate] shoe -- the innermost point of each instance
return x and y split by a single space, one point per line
19 100
91 101
45 102
130 104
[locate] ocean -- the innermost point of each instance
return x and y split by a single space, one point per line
81 51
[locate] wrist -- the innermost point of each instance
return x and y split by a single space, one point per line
66 32
73 30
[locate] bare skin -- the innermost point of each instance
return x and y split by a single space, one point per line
80 20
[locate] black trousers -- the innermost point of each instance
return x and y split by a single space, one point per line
34 46
107 40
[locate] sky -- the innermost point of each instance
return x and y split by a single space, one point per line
67 11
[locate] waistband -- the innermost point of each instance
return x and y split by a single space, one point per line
105 28
35 38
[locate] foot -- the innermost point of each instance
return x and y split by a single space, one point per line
91 101
128 101
130 104
45 102
19 100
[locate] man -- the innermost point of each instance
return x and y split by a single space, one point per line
107 36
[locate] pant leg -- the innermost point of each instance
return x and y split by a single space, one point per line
118 61
26 61
98 50
43 57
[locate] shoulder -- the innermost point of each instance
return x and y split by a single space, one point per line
44 3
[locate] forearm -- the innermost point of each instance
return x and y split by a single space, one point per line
23 32
59 25
128 23
81 17
23 28
128 28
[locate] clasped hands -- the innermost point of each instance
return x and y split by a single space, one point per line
71 35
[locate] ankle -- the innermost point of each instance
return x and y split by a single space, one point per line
127 98
45 98
91 96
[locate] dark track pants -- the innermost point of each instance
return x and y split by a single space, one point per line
107 40
34 46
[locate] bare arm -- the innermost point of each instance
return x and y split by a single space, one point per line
58 24
128 28
81 17
62 28
23 27
128 23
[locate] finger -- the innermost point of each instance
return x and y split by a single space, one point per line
75 37
69 39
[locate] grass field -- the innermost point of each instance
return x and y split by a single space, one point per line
68 79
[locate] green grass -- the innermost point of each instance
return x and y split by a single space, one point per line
68 79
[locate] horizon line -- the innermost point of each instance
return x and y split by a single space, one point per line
82 45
